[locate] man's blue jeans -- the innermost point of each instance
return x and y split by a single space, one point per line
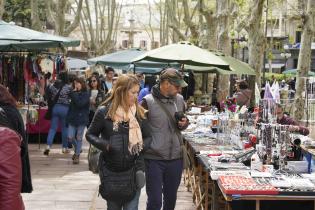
75 135
59 113
162 181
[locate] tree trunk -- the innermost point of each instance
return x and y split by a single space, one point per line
150 26
75 22
2 3
256 44
36 24
60 17
194 37
223 44
56 15
211 39
304 62
99 41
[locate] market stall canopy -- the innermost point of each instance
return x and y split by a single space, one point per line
12 45
145 70
76 64
123 60
236 66
183 53
294 72
20 38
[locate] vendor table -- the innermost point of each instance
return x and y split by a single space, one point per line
41 125
197 178
259 198
207 194
35 123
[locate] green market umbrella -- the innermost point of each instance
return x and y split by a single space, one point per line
11 45
20 38
294 72
123 59
76 64
183 53
236 66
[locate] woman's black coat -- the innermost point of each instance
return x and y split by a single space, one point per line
101 135
11 118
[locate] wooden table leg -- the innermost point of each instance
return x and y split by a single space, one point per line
229 205
257 204
214 192
207 191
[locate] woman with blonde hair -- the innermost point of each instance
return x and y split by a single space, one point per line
119 129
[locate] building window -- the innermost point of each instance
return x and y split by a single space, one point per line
125 44
298 35
295 63
143 44
155 45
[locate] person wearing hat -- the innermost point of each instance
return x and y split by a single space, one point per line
163 159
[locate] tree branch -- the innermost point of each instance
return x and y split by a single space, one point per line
2 3
50 17
188 21
76 21
177 31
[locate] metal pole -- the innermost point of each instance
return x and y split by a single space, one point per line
264 67
307 105
134 68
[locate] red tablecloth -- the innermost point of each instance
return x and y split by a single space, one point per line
42 125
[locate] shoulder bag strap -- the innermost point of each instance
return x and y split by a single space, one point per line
57 95
171 118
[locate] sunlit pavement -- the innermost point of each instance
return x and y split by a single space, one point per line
60 185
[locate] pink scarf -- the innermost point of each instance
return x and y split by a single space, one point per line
135 136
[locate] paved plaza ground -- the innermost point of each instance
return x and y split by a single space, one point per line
60 185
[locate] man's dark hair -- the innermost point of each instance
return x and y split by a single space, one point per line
108 69
95 73
64 77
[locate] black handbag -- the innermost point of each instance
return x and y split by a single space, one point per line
117 186
93 158
51 104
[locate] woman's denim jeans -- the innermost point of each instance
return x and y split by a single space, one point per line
59 113
75 135
131 205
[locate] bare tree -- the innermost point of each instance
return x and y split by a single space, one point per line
163 21
211 22
194 32
304 62
2 3
223 44
98 36
256 38
56 15
36 24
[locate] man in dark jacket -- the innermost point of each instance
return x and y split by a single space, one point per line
163 159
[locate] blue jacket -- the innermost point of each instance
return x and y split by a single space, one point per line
78 113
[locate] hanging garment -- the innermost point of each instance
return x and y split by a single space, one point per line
47 65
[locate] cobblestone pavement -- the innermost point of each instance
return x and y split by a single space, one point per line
60 185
